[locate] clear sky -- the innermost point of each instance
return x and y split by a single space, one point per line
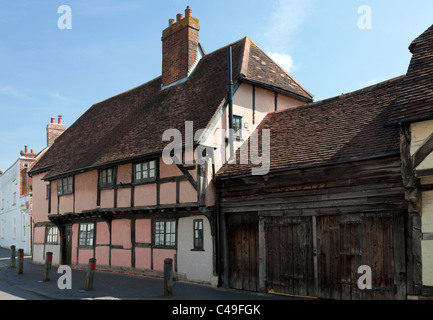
113 46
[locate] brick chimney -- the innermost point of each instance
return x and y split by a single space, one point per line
180 48
54 130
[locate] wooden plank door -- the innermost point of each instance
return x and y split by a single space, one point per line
289 255
243 251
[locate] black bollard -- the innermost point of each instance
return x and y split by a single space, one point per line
168 277
20 261
90 274
48 263
12 260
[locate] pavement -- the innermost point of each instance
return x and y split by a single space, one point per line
111 286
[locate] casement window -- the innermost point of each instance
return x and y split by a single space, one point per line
198 234
165 233
65 185
145 171
14 193
106 178
52 234
86 234
14 227
23 226
237 126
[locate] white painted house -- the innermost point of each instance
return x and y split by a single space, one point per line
15 204
16 223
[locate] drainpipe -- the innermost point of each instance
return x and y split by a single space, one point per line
219 234
230 101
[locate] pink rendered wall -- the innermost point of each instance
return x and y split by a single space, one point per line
124 173
102 255
40 203
145 195
143 258
124 198
168 193
39 235
159 255
121 258
285 102
86 190
187 192
143 229
66 203
84 255
121 236
53 197
121 233
102 234
107 198
168 170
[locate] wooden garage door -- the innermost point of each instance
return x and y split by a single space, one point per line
243 251
320 256
289 255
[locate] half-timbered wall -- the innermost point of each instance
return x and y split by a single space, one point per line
421 139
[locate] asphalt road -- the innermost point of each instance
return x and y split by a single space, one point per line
11 292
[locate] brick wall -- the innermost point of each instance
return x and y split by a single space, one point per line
179 48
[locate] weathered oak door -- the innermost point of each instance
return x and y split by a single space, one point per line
320 256
289 256
243 251
67 244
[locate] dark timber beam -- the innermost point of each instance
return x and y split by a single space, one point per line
420 155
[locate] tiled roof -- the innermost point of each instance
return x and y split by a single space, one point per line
131 124
415 101
261 68
348 127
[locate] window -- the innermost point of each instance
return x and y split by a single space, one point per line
65 185
52 235
2 230
14 192
86 234
145 171
3 199
14 227
198 234
106 177
23 225
165 233
237 126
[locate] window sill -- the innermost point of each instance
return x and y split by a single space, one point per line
198 250
144 181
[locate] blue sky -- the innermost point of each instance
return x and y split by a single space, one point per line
114 46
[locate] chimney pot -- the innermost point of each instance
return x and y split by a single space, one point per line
188 12
26 149
31 151
180 48
171 22
60 120
53 120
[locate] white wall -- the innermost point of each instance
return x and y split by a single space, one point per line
195 265
14 211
